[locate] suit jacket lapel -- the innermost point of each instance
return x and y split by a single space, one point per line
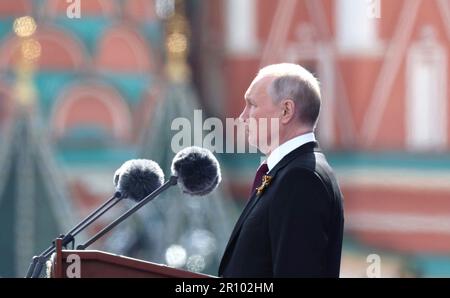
308 147
237 228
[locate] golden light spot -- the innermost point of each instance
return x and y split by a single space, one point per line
177 43
25 94
24 26
31 49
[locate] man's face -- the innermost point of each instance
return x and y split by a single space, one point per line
259 108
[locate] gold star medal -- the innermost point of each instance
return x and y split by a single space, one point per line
265 183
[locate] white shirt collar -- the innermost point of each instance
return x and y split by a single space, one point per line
287 147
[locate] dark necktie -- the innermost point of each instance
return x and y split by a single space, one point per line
262 170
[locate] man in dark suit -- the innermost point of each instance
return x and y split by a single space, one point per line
292 225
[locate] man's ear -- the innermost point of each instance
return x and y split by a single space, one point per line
287 110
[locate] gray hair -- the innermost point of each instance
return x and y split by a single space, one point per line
296 83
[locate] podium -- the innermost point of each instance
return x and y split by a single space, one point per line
98 264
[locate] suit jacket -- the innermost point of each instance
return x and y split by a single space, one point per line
295 227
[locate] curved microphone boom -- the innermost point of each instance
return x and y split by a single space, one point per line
134 180
195 169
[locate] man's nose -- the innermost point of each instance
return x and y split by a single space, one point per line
244 115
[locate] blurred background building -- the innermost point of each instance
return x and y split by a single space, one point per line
79 96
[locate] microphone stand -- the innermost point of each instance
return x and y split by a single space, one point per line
172 181
38 262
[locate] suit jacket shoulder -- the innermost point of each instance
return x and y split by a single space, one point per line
309 159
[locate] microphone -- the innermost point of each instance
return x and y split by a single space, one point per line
137 178
195 169
134 180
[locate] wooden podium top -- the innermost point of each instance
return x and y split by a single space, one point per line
93 263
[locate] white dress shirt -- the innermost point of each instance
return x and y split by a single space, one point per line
287 147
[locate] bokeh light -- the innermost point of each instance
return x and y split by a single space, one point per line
196 263
177 43
176 256
31 49
24 26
